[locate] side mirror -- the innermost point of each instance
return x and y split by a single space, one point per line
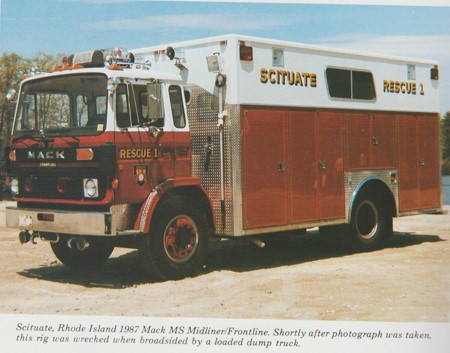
112 85
187 96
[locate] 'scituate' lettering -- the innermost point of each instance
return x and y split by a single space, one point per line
284 77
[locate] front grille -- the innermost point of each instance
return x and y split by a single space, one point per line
54 187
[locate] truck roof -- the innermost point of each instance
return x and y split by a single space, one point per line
132 73
288 44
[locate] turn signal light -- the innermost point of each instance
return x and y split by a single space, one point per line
12 156
85 154
393 177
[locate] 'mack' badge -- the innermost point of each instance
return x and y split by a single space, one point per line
140 173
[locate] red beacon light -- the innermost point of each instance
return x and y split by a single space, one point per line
245 52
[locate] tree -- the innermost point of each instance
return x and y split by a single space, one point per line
13 69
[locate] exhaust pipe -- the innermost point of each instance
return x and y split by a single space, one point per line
79 243
258 242
72 243
82 243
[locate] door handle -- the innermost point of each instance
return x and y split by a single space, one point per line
322 165
422 162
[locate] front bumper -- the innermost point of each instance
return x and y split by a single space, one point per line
62 222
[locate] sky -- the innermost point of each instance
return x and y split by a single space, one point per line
28 27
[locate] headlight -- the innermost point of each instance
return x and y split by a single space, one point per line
14 186
90 187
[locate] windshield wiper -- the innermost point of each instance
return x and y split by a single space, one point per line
28 136
67 135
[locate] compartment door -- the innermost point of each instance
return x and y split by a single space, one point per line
264 168
428 162
419 162
304 170
330 165
408 163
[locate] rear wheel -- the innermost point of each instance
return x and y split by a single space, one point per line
371 223
177 244
93 256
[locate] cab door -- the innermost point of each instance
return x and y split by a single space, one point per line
145 154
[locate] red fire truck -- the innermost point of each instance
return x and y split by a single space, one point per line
164 148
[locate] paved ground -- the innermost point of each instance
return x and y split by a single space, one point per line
309 277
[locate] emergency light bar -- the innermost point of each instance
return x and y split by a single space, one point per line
93 58
116 58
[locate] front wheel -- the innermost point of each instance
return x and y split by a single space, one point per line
177 244
93 256
371 224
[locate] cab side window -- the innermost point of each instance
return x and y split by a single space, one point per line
176 103
122 107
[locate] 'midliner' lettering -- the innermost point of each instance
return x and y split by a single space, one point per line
197 330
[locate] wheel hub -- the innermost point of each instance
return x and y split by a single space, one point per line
180 239
366 219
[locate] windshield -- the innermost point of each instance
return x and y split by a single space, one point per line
72 105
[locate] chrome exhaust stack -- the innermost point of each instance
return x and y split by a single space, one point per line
79 243
258 242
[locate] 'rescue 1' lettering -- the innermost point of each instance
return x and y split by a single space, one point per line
284 77
138 153
390 86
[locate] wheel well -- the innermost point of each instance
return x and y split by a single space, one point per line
194 193
380 191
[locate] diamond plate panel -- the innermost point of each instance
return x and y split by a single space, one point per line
353 179
203 119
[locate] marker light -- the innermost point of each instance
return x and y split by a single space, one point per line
85 154
90 187
434 73
393 177
115 183
246 53
12 156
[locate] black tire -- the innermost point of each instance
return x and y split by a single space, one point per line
92 257
371 223
177 244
